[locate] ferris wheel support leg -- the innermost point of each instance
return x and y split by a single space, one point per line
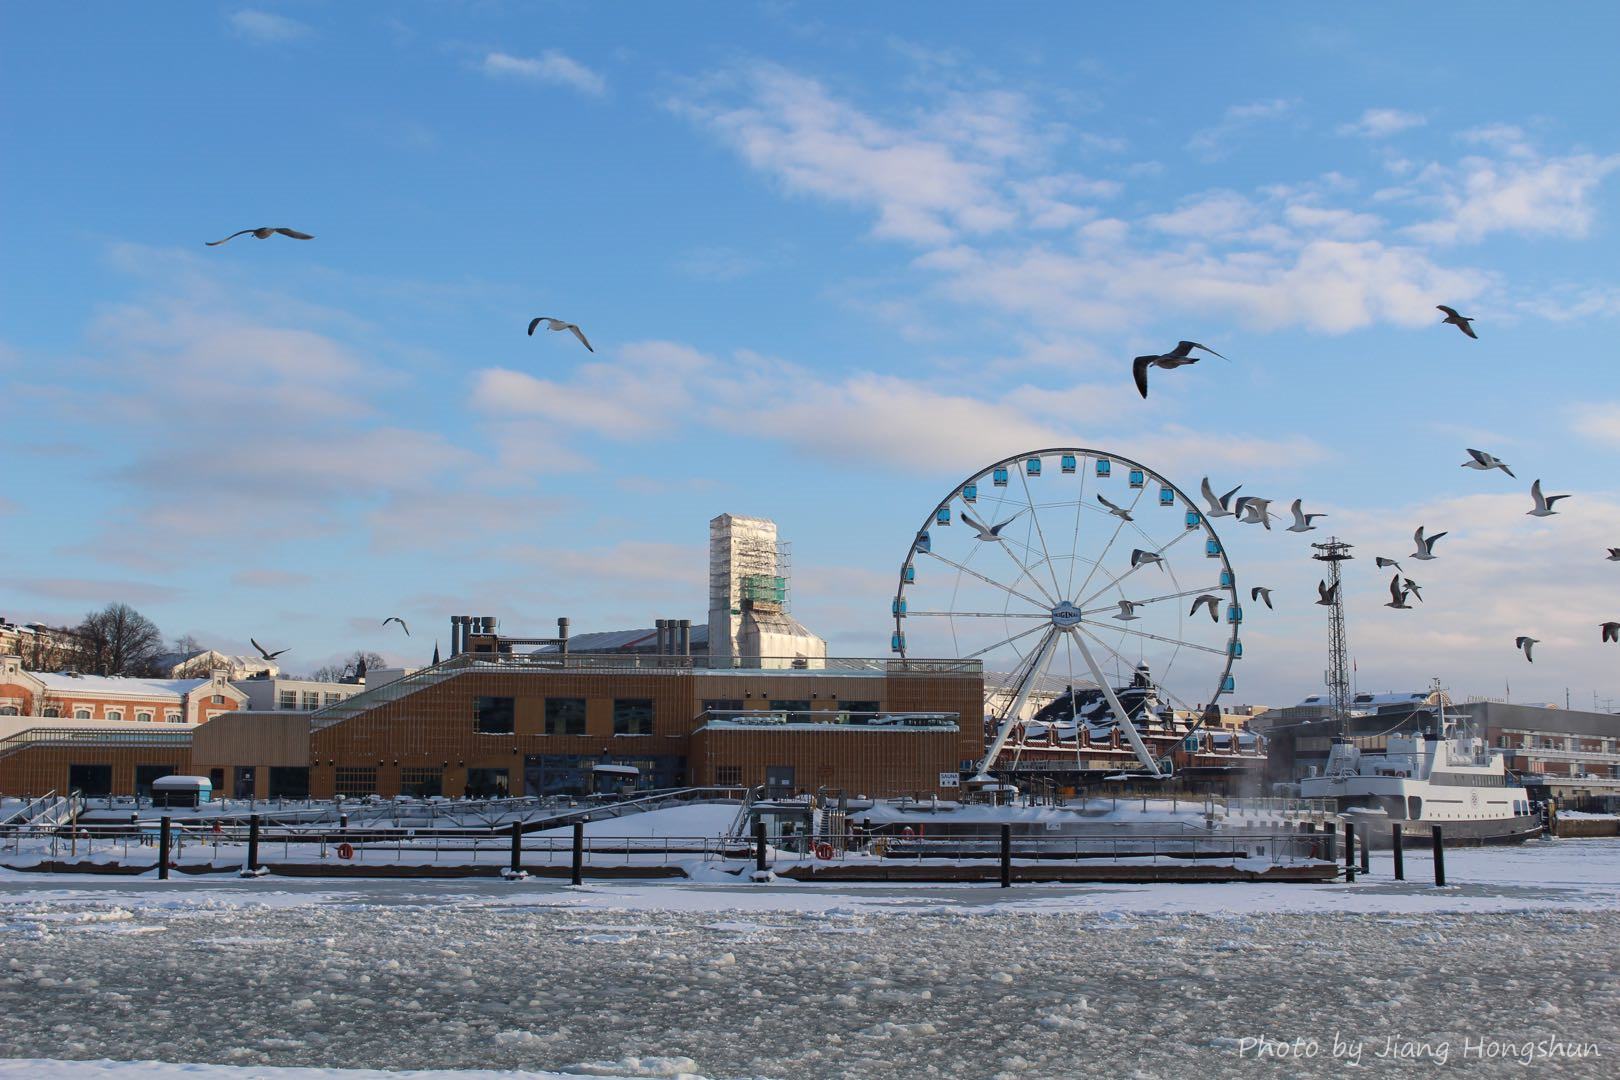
1036 667
1120 714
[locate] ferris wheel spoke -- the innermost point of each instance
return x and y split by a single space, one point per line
1115 580
1051 602
1103 554
1151 600
1177 642
989 580
1005 641
1074 546
1040 533
979 614
1175 700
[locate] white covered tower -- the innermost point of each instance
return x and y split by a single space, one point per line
749 624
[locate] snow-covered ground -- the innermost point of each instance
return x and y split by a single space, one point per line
787 980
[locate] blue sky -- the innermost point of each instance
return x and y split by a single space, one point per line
833 260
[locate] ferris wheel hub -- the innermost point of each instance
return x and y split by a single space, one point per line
1066 616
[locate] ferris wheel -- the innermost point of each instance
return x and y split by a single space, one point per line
1065 567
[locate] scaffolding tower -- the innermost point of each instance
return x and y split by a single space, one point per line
1333 553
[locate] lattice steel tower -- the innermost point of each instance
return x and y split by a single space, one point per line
1333 553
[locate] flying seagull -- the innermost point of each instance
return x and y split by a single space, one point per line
1302 520
1326 593
263 233
1614 554
1543 502
1412 587
1260 592
1482 461
1383 562
1252 510
558 324
1459 321
1172 359
1117 511
992 532
1127 611
1525 643
1138 557
1611 631
1425 549
1210 601
402 626
265 654
1217 507
1397 594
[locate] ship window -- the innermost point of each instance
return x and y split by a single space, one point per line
1414 807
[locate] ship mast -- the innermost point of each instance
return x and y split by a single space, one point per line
1333 553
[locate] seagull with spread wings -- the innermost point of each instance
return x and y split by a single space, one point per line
1175 358
1325 593
1218 506
270 656
1260 592
1544 503
559 325
1397 594
1459 321
1425 545
1210 601
984 532
1524 643
1117 511
264 232
1479 459
1302 520
402 626
1138 557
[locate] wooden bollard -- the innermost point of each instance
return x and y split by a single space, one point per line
1349 852
253 842
759 846
163 848
1330 842
1006 856
578 874
1400 857
1366 850
1439 859
517 846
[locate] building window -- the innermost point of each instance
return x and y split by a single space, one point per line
728 776
632 716
112 714
493 715
723 705
287 700
778 781
312 699
859 712
219 699
144 717
422 783
565 716
9 710
51 711
798 712
175 718
81 714
353 782
487 784
333 698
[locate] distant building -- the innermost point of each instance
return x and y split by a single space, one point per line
41 647
749 584
271 693
200 665
63 698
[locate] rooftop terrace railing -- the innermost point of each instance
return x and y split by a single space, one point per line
53 736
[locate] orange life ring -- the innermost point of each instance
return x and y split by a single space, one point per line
824 851
345 851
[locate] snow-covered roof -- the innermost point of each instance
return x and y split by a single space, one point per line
118 685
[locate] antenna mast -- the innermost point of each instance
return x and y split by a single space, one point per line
1333 553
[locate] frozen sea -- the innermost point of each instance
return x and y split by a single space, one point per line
1511 970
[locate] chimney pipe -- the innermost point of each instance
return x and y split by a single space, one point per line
686 637
663 637
455 635
562 634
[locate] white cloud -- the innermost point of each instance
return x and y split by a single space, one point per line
264 27
550 66
1541 195
1381 123
1215 142
923 189
1599 422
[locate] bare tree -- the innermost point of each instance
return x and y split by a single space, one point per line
120 640
358 664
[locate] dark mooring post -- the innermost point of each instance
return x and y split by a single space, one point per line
1366 849
759 845
1006 856
578 876
163 848
1400 857
517 846
1349 852
253 841
1330 842
1439 859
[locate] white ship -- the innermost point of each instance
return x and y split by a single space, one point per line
1447 777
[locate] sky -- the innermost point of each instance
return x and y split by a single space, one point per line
834 260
